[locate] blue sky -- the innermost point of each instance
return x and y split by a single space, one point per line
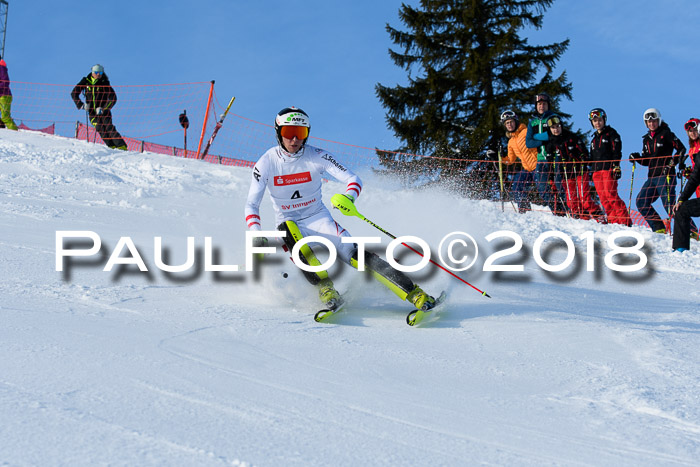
326 56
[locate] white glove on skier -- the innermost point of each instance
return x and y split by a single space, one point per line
98 111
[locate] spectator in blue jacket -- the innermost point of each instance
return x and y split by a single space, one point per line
536 138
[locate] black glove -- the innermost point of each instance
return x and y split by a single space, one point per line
617 172
634 156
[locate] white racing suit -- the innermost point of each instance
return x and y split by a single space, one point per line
294 182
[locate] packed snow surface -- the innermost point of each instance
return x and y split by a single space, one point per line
124 367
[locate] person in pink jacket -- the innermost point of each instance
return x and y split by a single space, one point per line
6 97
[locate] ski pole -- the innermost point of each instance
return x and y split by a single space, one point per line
567 191
629 208
680 172
216 129
348 208
500 175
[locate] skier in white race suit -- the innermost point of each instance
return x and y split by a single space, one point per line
292 171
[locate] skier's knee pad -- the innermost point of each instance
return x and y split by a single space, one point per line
306 254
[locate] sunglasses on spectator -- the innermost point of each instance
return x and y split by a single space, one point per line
289 132
651 116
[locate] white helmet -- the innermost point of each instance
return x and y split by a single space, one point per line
652 114
291 116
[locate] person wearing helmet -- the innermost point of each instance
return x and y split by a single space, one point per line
523 180
691 129
6 97
658 146
536 138
605 157
571 158
292 172
693 132
100 98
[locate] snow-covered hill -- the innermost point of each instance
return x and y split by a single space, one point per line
124 367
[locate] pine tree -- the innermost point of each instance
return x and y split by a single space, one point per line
466 63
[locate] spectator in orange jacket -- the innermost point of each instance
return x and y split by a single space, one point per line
523 180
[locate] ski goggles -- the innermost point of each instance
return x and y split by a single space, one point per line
508 115
691 125
289 132
596 113
541 97
651 116
554 121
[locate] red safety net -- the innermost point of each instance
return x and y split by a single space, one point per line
146 116
49 130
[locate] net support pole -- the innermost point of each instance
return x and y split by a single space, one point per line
206 118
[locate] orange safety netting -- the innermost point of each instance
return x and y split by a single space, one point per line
147 118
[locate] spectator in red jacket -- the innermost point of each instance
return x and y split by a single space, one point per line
691 128
572 171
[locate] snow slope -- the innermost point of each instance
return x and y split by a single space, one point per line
203 368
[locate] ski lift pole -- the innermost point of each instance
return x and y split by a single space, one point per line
347 207
216 129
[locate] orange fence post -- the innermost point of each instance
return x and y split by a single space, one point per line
206 118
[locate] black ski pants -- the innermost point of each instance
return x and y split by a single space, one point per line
682 223
104 126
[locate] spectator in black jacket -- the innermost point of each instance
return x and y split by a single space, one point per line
684 209
658 146
571 155
605 156
100 98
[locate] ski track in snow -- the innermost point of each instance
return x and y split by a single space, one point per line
129 368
